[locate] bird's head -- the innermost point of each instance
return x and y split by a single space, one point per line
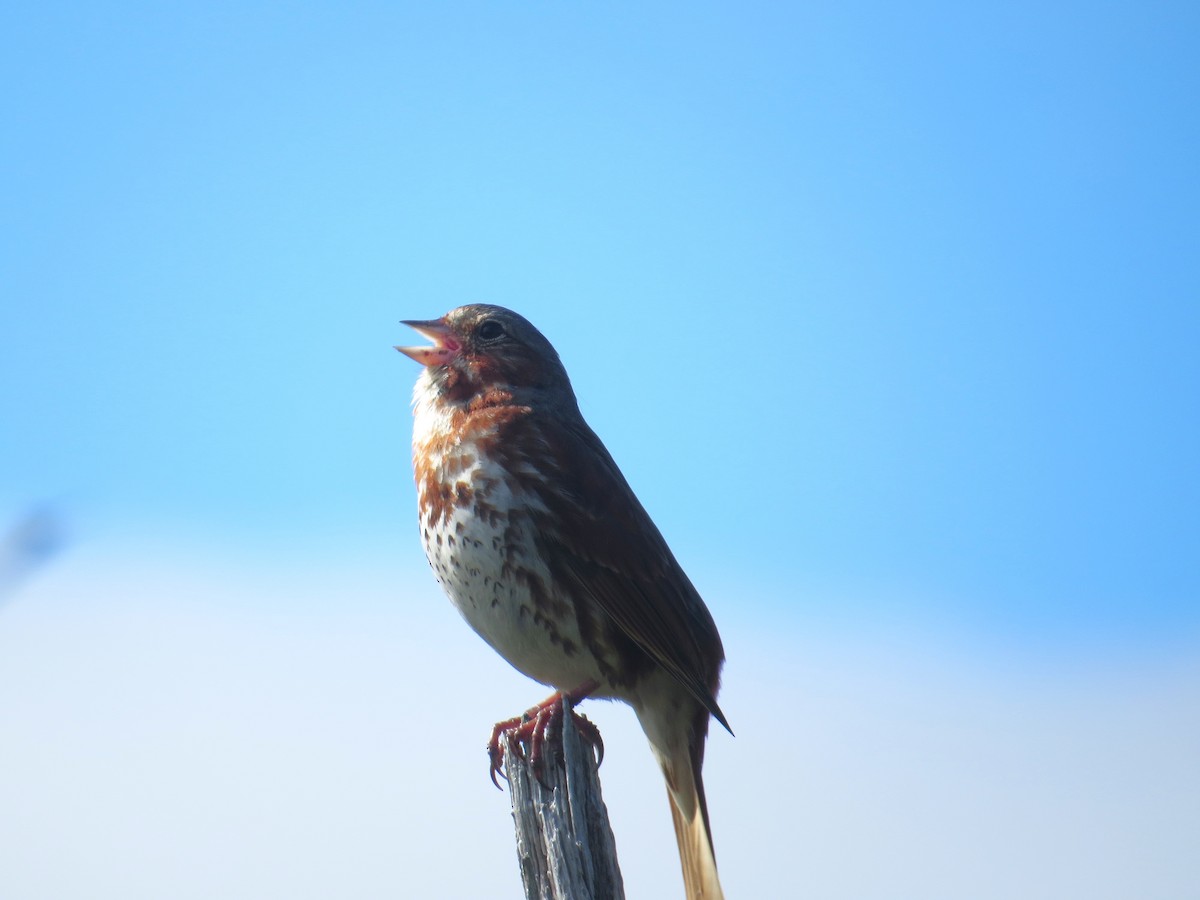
479 350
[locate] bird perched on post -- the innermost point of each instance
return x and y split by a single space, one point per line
544 549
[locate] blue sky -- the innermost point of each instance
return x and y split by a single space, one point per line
889 314
905 298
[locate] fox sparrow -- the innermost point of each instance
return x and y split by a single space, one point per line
542 546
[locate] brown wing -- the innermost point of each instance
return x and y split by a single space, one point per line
599 540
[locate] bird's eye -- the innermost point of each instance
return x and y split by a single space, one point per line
490 330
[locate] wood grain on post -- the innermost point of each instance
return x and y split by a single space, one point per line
565 845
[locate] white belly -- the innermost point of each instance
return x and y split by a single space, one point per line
488 564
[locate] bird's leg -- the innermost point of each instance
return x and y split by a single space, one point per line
495 758
533 726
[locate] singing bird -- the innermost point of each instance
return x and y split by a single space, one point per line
542 546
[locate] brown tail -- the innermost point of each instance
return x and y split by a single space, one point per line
695 847
689 813
677 727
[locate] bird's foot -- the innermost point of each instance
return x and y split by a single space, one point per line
531 728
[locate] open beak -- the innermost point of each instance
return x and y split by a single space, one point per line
444 348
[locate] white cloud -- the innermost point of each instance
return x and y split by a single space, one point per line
199 729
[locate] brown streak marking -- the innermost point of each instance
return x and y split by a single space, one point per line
463 494
490 397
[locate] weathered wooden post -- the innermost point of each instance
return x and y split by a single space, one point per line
565 845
